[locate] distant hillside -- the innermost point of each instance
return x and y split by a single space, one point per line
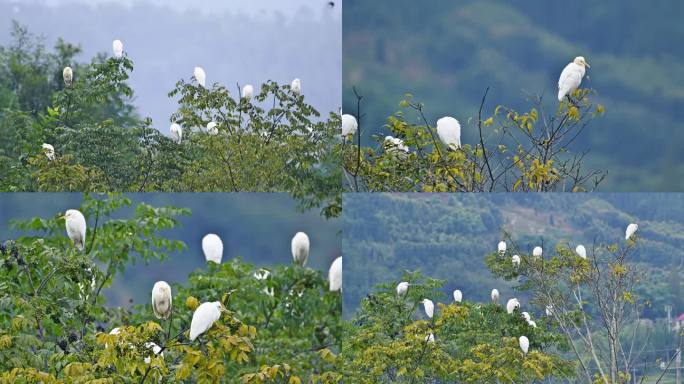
448 235
447 53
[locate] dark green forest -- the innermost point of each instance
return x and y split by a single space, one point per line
447 53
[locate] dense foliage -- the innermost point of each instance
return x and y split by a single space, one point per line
273 142
55 325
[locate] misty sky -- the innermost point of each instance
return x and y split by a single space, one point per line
237 41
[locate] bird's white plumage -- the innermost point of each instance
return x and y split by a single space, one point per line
501 247
402 288
67 75
49 151
296 86
537 251
458 296
571 77
581 251
527 316
76 227
161 299
532 323
155 349
300 248
495 295
631 230
115 331
204 317
262 274
515 260
335 275
524 344
429 307
247 91
212 246
349 125
449 131
117 48
200 76
211 128
176 132
549 310
512 304
430 338
395 144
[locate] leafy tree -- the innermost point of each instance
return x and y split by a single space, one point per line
55 325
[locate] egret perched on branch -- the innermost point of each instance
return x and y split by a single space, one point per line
495 295
204 317
335 275
501 247
549 310
115 331
524 344
537 251
458 296
247 92
176 132
430 338
527 317
631 230
200 76
429 307
571 77
581 251
67 75
117 48
402 288
394 144
349 125
161 299
76 228
449 131
155 349
211 128
49 151
512 305
532 324
296 87
515 260
300 248
212 246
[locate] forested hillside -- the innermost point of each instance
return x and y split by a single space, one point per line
447 53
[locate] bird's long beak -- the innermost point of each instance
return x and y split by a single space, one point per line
587 65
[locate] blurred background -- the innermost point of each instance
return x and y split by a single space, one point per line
446 53
255 226
237 41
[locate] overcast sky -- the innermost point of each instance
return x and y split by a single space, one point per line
236 41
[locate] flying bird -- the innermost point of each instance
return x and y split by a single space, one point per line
502 247
515 260
204 317
211 128
49 151
402 288
300 248
67 75
458 296
161 299
200 76
631 230
449 131
571 77
247 92
349 125
335 275
212 246
429 307
537 251
296 87
524 344
495 295
117 48
512 304
581 251
176 132
76 228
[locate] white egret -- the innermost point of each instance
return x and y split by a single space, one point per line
300 248
296 87
67 75
117 48
161 299
429 307
204 317
549 310
495 295
247 92
631 230
262 274
532 323
49 151
515 260
115 331
524 344
200 76
211 128
430 338
212 246
571 77
527 317
581 251
537 251
349 125
335 275
76 228
449 131
501 247
458 296
402 288
176 132
155 349
512 304
395 144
